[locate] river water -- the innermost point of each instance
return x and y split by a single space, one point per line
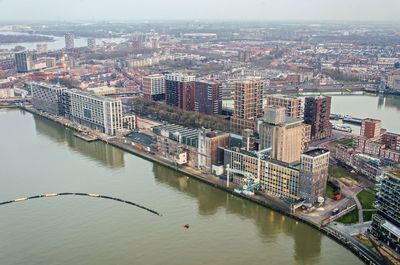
382 107
39 156
57 44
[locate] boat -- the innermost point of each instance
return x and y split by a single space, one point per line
350 119
343 128
334 116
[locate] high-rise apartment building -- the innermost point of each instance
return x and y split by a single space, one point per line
154 43
292 104
97 112
23 61
283 134
41 48
248 104
47 97
386 223
314 175
370 128
91 43
154 87
208 97
316 113
179 90
69 41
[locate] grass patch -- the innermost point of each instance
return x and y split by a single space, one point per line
347 142
185 71
329 192
374 190
349 218
367 216
336 172
366 242
366 199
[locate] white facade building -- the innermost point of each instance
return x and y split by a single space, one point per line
98 112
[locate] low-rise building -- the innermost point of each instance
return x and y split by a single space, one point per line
391 140
6 92
172 139
102 90
306 181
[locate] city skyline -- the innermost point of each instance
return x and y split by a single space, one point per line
260 10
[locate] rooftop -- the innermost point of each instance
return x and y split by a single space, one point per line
394 173
284 97
371 120
318 97
48 85
91 95
316 152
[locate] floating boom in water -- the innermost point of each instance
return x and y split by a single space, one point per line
80 194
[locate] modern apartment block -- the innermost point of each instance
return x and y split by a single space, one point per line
208 148
69 41
97 112
248 104
47 97
316 113
154 87
370 128
208 97
23 61
386 223
314 175
292 104
285 136
179 90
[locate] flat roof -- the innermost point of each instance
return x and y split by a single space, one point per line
372 120
316 152
183 131
392 228
394 173
48 85
284 96
90 95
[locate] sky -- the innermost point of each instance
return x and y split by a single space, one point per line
246 10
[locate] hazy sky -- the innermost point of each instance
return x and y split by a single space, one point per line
67 10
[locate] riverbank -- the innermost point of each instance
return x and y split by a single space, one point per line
264 200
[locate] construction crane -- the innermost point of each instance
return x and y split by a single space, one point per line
250 183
